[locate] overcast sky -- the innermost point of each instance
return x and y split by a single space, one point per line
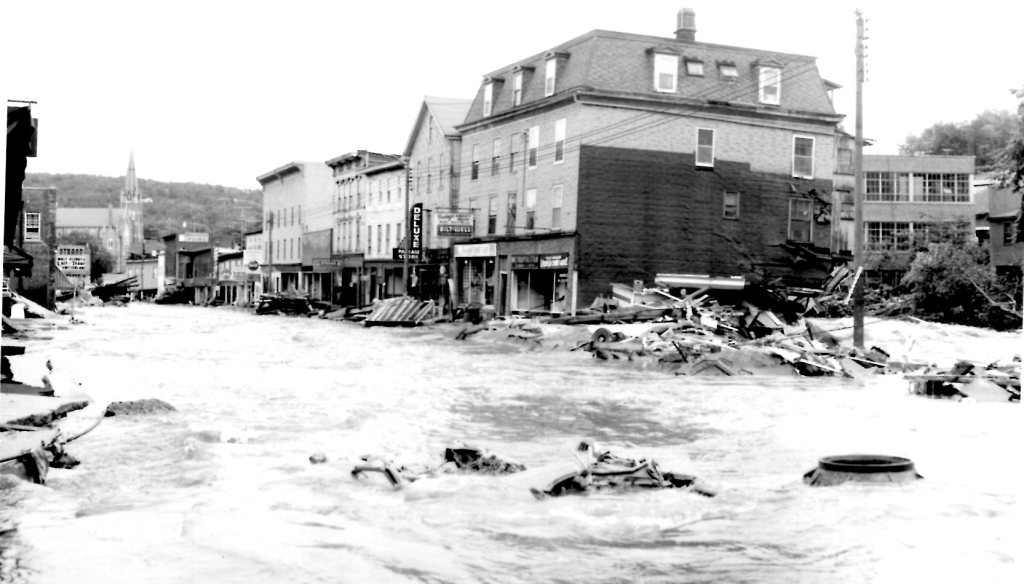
221 92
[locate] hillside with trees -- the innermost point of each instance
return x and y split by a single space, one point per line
986 137
225 211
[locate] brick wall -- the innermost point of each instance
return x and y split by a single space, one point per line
642 212
39 287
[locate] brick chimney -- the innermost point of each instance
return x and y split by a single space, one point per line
687 23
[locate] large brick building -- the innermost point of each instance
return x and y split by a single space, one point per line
614 157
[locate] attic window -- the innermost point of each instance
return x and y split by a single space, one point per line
695 68
728 71
549 76
488 98
666 71
769 85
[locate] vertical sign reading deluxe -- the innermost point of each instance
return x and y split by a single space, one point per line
416 225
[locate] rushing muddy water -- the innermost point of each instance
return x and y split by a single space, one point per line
223 491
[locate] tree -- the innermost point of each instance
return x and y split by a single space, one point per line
954 283
1013 160
102 261
986 138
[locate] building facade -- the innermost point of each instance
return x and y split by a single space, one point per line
36 235
296 199
1001 216
614 157
108 225
910 200
434 154
385 224
353 233
253 258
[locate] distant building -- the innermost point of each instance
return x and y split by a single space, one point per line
231 277
296 199
180 263
354 232
1000 218
252 259
118 229
910 200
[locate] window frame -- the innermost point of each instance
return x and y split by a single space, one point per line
550 76
510 212
809 158
515 142
1010 233
728 71
517 88
530 203
809 221
765 81
488 98
557 196
32 229
474 164
698 146
694 67
532 146
661 61
496 157
492 214
735 206
560 141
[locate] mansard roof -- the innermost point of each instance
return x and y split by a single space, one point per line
616 63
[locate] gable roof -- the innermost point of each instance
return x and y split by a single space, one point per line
93 217
448 112
622 64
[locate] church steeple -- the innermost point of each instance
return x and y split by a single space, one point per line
130 192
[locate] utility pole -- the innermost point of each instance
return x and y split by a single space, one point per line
858 195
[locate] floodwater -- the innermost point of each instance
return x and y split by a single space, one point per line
222 490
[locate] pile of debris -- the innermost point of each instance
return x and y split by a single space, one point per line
760 329
997 382
119 290
588 471
275 303
401 311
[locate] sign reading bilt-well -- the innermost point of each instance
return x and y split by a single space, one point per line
454 223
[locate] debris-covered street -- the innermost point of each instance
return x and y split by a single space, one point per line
247 475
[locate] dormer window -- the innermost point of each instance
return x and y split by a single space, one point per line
666 71
488 98
769 85
694 68
728 71
550 68
517 88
